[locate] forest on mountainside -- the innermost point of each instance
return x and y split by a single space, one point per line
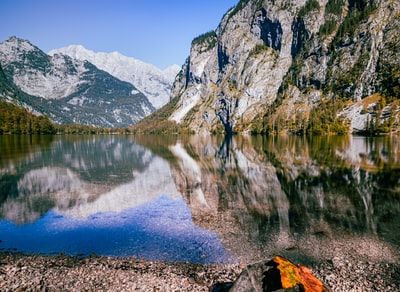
17 120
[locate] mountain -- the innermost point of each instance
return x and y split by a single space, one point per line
69 90
11 93
15 119
153 82
309 66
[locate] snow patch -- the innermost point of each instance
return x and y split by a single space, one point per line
78 101
117 115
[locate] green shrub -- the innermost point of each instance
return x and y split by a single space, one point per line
209 39
324 120
258 49
357 13
334 7
242 4
327 28
311 5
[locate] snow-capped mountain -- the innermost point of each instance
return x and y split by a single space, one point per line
70 90
153 82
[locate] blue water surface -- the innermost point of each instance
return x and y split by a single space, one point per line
159 230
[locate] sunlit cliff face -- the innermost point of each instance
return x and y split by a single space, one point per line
263 196
271 61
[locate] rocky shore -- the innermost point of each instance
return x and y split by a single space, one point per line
19 272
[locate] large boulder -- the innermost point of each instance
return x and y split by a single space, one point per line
277 274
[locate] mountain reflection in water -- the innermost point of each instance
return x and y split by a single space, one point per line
260 196
300 197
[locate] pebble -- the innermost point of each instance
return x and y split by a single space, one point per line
20 272
356 275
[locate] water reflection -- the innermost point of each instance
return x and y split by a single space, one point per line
294 195
304 197
106 195
82 176
161 229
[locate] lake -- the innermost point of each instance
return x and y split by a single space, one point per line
203 199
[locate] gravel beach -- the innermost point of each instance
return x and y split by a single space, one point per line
19 272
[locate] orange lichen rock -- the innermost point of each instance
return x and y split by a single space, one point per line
297 275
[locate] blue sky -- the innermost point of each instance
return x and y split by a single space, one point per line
155 31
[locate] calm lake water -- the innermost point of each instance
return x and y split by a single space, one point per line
201 199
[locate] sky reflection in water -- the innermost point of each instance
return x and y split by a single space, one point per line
260 196
158 230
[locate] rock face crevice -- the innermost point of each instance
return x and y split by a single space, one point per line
223 112
300 36
270 64
270 30
223 58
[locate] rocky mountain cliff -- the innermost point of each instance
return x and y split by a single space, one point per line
154 83
36 105
68 90
310 66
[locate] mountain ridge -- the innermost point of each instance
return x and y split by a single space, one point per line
286 66
69 90
152 81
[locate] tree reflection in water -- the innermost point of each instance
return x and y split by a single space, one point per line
301 197
294 195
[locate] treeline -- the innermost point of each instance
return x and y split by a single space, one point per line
310 5
17 120
359 11
322 120
209 39
89 130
